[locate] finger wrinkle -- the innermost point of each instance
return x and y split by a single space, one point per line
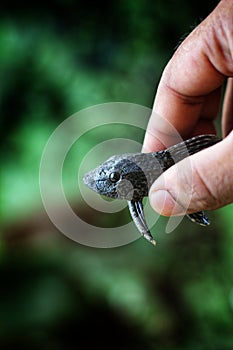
218 48
199 178
183 98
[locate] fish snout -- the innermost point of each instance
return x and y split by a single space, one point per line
89 180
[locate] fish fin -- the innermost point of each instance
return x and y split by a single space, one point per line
199 218
191 146
136 211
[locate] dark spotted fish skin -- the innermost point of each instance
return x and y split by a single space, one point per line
130 176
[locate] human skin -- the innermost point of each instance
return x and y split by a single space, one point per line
188 98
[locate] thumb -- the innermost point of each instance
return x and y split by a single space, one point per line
201 181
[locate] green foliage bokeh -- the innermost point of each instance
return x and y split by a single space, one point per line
57 58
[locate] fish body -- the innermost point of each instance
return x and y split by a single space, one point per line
129 176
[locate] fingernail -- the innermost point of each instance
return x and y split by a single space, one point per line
163 202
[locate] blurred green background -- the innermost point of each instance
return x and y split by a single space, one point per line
57 58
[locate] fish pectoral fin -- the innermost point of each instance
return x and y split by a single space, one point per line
199 218
137 213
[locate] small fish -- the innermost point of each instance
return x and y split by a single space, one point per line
130 176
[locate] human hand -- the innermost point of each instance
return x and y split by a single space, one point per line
188 97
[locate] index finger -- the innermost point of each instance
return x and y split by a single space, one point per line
191 80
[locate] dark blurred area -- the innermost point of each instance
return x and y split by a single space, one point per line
57 58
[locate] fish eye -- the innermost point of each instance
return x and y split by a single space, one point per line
114 177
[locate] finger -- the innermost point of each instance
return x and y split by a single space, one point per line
195 72
156 139
227 120
210 111
202 181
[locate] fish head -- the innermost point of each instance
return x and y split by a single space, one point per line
119 177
